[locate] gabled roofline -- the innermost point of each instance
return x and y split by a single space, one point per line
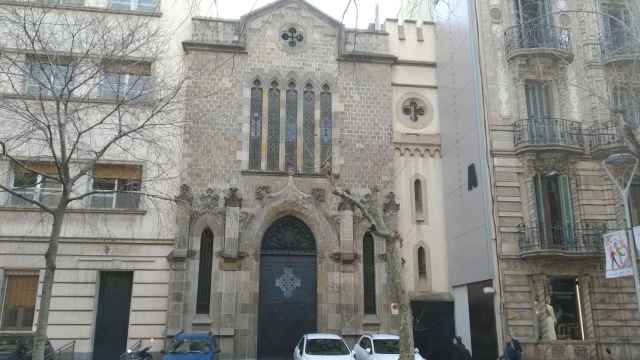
277 4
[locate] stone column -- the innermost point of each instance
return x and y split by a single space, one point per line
346 258
178 279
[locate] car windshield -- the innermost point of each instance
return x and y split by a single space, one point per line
386 346
326 347
185 346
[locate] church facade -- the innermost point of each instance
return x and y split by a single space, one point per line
286 105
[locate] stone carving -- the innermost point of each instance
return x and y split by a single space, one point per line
288 282
291 193
289 234
185 195
209 200
245 219
262 191
232 198
413 108
344 204
318 194
390 206
548 163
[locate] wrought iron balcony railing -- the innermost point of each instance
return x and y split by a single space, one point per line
605 139
570 239
548 132
537 35
619 46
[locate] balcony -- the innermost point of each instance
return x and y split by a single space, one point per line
578 240
619 47
536 39
548 134
606 139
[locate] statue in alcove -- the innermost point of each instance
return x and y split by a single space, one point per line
547 320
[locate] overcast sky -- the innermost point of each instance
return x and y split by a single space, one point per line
366 9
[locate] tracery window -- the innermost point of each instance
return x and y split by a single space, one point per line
369 273
203 300
299 126
255 126
273 139
308 129
325 127
292 128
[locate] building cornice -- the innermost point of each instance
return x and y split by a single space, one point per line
188 46
93 9
367 57
421 145
417 63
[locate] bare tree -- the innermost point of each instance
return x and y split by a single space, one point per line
77 90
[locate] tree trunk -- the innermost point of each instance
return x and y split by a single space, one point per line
47 285
394 272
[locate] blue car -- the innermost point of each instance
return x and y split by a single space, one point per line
192 346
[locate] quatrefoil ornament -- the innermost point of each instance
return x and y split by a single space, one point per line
292 36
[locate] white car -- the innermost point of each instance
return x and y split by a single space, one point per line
322 347
379 347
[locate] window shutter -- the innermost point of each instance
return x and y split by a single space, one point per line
113 171
539 194
567 211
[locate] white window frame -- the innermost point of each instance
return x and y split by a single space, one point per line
36 191
124 89
4 282
135 5
113 195
33 87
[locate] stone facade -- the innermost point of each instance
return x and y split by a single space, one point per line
579 88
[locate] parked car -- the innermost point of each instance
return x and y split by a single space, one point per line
20 347
322 347
192 346
379 347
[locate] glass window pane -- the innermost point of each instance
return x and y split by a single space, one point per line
102 201
273 133
146 5
122 4
369 273
325 128
128 200
308 129
255 121
291 148
111 85
19 302
25 179
564 300
138 87
104 184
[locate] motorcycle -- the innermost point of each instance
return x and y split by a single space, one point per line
135 352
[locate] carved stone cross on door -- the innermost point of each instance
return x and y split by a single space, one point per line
292 36
413 110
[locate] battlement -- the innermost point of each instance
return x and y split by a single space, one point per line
410 40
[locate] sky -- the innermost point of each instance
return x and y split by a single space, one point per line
233 9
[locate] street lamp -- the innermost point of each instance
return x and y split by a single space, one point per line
621 168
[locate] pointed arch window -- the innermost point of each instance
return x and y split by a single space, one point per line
422 263
273 134
369 273
326 127
291 148
308 129
418 200
203 299
255 151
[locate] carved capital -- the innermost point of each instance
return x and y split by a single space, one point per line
390 206
319 195
344 257
345 204
262 191
209 200
185 196
245 219
232 198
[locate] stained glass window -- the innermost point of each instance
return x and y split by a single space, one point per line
292 128
422 263
308 129
325 127
369 274
273 133
255 126
203 300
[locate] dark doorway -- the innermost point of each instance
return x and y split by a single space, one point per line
433 328
287 308
483 321
112 321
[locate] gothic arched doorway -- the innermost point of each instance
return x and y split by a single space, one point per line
287 306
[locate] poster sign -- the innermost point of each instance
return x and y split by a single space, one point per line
617 254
